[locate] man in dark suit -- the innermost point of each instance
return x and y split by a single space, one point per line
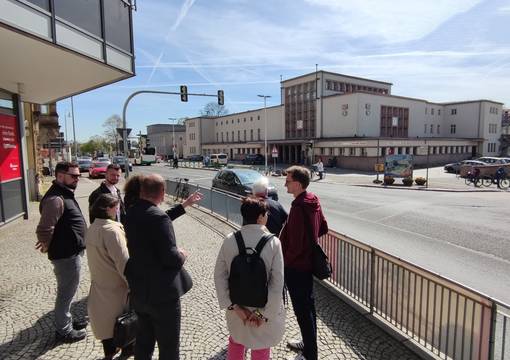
112 177
277 214
155 273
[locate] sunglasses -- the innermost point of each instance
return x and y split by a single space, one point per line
74 176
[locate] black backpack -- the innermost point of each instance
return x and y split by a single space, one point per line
247 282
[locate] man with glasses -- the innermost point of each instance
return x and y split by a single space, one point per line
61 233
306 223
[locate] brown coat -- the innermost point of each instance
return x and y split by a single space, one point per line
107 255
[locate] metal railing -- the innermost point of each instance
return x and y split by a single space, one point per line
442 317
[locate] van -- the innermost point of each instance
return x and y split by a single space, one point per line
221 159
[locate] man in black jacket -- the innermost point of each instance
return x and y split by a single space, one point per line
277 214
112 177
155 273
60 233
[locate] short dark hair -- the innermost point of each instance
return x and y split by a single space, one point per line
99 208
132 190
151 185
251 208
113 166
63 166
299 174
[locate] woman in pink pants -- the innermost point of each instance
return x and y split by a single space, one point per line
257 329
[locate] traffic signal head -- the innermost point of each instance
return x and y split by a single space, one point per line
221 97
184 93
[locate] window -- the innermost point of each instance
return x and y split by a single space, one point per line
453 129
227 136
438 112
258 134
44 109
438 129
238 120
238 134
244 119
251 135
244 134
363 151
431 111
116 14
454 111
82 13
431 128
222 137
251 118
425 129
258 117
425 111
352 151
232 136
217 137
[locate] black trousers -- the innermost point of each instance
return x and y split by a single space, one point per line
159 323
300 287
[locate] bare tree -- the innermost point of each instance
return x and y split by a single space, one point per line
213 109
110 126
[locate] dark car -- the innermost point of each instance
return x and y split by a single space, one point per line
84 165
196 158
455 167
121 161
240 181
254 159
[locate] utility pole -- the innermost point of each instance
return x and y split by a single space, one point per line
265 129
173 135
74 129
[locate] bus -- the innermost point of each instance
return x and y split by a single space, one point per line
147 157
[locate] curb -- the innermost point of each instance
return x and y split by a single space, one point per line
425 189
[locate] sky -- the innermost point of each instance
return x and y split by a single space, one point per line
438 50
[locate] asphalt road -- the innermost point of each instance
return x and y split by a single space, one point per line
462 236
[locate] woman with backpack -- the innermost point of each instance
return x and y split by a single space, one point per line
249 284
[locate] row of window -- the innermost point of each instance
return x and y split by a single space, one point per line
235 151
405 150
225 136
192 150
491 147
192 136
493 110
347 87
238 120
438 129
432 111
493 128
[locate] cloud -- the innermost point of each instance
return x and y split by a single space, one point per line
391 20
185 8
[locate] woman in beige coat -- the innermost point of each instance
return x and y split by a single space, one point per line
107 255
255 329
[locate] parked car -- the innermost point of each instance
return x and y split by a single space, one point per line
103 159
240 181
455 167
221 159
98 169
84 165
196 158
506 160
254 159
121 161
491 160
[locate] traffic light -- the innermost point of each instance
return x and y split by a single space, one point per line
221 97
184 93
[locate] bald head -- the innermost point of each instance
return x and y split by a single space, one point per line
153 188
260 187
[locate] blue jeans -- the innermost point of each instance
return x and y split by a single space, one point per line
300 287
67 272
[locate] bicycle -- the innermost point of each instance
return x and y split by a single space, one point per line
182 190
473 177
314 172
501 179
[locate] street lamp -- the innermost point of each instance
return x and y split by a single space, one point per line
265 128
173 136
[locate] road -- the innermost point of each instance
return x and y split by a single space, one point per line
461 236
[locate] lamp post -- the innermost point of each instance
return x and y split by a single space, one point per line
173 136
265 129
74 129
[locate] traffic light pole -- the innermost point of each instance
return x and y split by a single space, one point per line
124 122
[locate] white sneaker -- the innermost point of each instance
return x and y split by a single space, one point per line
296 345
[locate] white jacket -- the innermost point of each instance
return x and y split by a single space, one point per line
269 333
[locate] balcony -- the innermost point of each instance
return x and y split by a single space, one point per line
52 49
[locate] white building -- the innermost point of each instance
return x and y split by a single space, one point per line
164 137
351 122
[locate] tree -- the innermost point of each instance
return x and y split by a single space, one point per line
95 144
110 125
213 109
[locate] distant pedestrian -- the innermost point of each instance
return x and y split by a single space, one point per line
277 214
320 168
112 177
155 273
107 255
252 328
61 233
176 162
306 223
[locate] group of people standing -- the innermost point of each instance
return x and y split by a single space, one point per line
134 261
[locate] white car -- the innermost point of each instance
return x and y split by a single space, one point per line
491 160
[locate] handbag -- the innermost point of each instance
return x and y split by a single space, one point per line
321 266
124 330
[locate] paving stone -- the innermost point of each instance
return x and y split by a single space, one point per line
28 286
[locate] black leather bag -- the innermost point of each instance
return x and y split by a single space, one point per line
124 331
321 267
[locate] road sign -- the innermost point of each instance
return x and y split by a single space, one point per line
120 131
274 152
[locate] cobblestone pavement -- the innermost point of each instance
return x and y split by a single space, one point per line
27 292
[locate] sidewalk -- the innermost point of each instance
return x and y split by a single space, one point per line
27 291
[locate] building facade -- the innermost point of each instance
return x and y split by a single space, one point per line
87 43
165 137
351 122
